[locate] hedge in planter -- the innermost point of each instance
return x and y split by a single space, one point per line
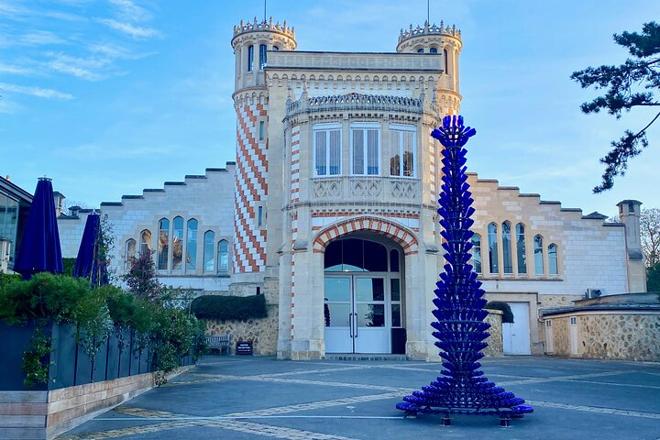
229 308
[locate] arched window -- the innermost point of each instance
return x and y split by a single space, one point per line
250 59
177 243
553 266
433 50
506 248
130 252
445 55
538 255
275 48
355 255
420 50
163 243
476 252
209 260
145 242
394 260
520 248
262 56
191 245
492 248
223 256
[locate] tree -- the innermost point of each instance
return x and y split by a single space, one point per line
653 278
631 84
649 223
142 280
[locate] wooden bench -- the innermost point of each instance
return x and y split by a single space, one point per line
222 343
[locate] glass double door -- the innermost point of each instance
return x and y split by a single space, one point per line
356 313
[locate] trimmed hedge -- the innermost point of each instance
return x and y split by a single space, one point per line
507 314
229 308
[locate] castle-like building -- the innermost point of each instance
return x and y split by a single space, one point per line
330 208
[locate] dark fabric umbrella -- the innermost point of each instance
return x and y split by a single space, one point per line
87 262
40 247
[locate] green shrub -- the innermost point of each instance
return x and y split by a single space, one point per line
68 264
507 314
229 308
6 278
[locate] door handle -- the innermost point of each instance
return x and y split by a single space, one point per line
350 324
356 325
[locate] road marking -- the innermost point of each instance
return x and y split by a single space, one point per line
595 409
563 378
632 385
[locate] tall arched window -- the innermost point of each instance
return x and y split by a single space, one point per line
553 266
223 256
145 242
445 55
476 252
492 248
538 255
507 260
250 56
177 243
163 243
262 56
520 248
191 245
209 255
130 252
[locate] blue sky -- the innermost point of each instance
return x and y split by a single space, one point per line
109 97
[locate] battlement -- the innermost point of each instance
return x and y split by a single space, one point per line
427 29
264 26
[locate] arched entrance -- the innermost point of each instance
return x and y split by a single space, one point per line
363 295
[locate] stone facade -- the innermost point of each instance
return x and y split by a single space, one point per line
495 346
261 332
333 146
625 335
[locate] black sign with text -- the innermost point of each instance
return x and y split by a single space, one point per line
244 348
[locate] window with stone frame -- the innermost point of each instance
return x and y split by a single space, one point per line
262 56
129 256
177 243
520 248
191 245
163 243
476 252
365 149
327 150
250 58
403 147
145 242
553 263
493 264
223 257
507 260
209 254
538 255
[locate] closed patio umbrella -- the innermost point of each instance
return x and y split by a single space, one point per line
87 262
40 247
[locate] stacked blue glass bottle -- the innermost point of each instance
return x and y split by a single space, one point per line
459 328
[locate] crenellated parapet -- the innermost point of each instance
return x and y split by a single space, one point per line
429 30
263 26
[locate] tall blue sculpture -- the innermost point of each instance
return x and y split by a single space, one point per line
459 327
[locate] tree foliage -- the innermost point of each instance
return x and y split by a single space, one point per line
653 278
142 280
650 231
634 83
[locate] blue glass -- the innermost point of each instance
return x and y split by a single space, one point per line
459 301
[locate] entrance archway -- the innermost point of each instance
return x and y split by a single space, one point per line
364 295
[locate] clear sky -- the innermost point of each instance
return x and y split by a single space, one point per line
110 97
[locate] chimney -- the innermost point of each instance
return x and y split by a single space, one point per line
629 212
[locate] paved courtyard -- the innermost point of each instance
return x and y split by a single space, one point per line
252 398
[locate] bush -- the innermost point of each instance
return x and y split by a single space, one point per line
507 314
68 264
6 278
229 308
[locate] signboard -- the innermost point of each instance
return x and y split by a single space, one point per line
244 348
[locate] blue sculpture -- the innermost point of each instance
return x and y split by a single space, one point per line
460 328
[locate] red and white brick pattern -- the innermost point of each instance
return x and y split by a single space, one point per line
406 239
294 191
251 189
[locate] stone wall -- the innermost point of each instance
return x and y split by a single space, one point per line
546 301
495 342
261 332
609 335
47 414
